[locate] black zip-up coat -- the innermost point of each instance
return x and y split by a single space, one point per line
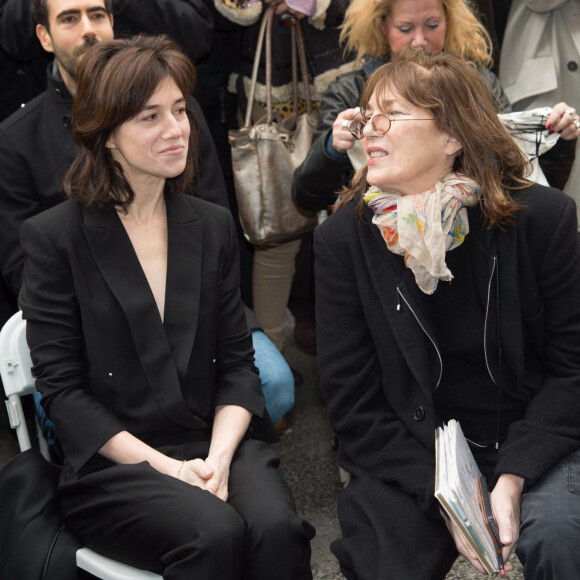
379 364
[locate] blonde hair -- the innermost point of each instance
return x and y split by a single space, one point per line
465 38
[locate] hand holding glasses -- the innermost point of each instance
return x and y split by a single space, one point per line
380 124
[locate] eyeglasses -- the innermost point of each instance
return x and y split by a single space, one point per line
380 123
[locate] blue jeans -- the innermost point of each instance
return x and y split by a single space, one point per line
550 524
276 376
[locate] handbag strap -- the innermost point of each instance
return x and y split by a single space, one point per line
297 46
298 39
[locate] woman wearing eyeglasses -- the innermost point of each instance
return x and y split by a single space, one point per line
448 287
377 30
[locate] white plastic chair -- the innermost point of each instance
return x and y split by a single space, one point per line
15 365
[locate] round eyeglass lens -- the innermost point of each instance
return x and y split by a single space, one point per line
381 123
356 128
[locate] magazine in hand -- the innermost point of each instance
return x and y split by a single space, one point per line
463 494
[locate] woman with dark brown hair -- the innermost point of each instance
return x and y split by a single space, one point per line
448 287
139 341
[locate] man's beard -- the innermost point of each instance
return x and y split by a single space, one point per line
70 62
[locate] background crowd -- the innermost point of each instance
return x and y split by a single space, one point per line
528 51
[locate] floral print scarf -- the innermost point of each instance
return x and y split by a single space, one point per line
423 226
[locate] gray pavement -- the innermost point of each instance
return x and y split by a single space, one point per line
309 465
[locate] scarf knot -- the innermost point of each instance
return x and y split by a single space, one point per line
422 227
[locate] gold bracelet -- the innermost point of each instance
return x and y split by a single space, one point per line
180 466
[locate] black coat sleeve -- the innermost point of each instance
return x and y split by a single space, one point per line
558 161
317 181
549 272
18 201
55 335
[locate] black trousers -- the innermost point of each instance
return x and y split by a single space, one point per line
137 515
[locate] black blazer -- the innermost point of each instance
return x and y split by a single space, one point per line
103 359
379 369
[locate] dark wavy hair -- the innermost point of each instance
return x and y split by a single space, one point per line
39 10
114 81
464 106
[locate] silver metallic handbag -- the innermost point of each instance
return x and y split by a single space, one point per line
265 155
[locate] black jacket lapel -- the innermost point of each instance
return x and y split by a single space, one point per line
389 275
183 290
119 266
